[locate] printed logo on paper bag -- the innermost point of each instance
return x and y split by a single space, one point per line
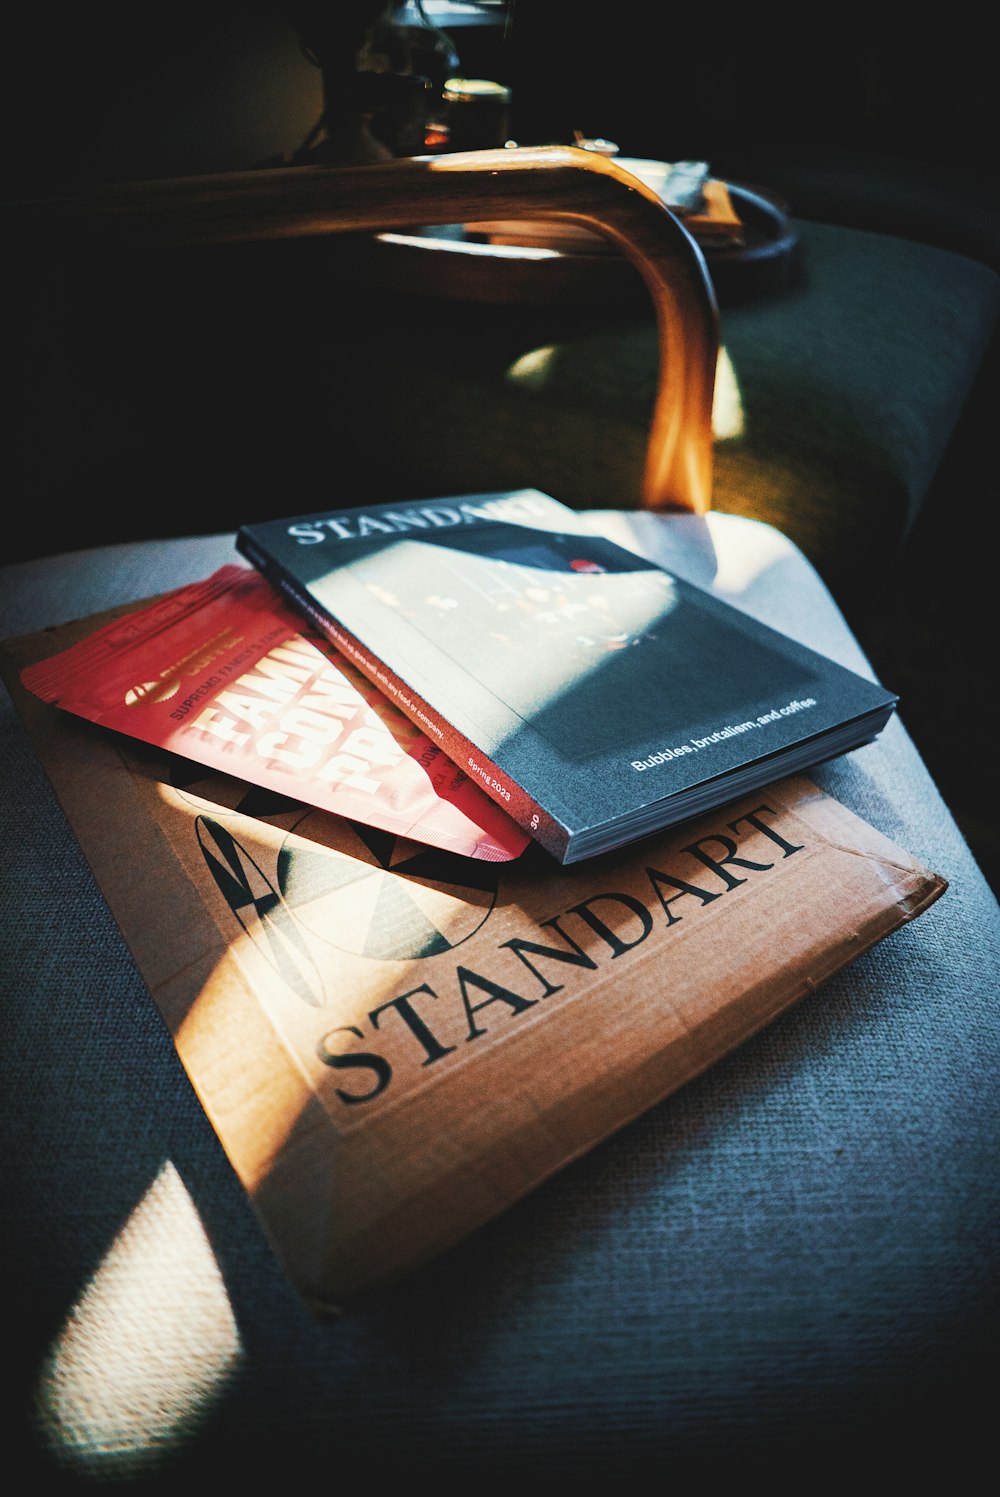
351 887
376 895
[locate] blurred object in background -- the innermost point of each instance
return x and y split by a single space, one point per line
384 69
475 115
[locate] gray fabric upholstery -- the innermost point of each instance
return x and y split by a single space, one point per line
849 380
795 1255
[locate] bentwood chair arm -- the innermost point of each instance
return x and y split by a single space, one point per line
546 182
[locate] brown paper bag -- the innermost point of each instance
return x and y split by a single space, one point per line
394 1043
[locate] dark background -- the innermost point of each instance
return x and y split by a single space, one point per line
107 92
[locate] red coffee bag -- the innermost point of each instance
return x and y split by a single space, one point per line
225 673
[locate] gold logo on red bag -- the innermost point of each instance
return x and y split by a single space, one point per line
153 691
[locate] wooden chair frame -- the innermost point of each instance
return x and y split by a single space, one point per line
545 182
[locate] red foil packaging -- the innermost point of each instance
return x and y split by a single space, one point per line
225 673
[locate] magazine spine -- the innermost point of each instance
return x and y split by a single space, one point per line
522 808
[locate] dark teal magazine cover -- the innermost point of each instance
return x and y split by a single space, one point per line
595 695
